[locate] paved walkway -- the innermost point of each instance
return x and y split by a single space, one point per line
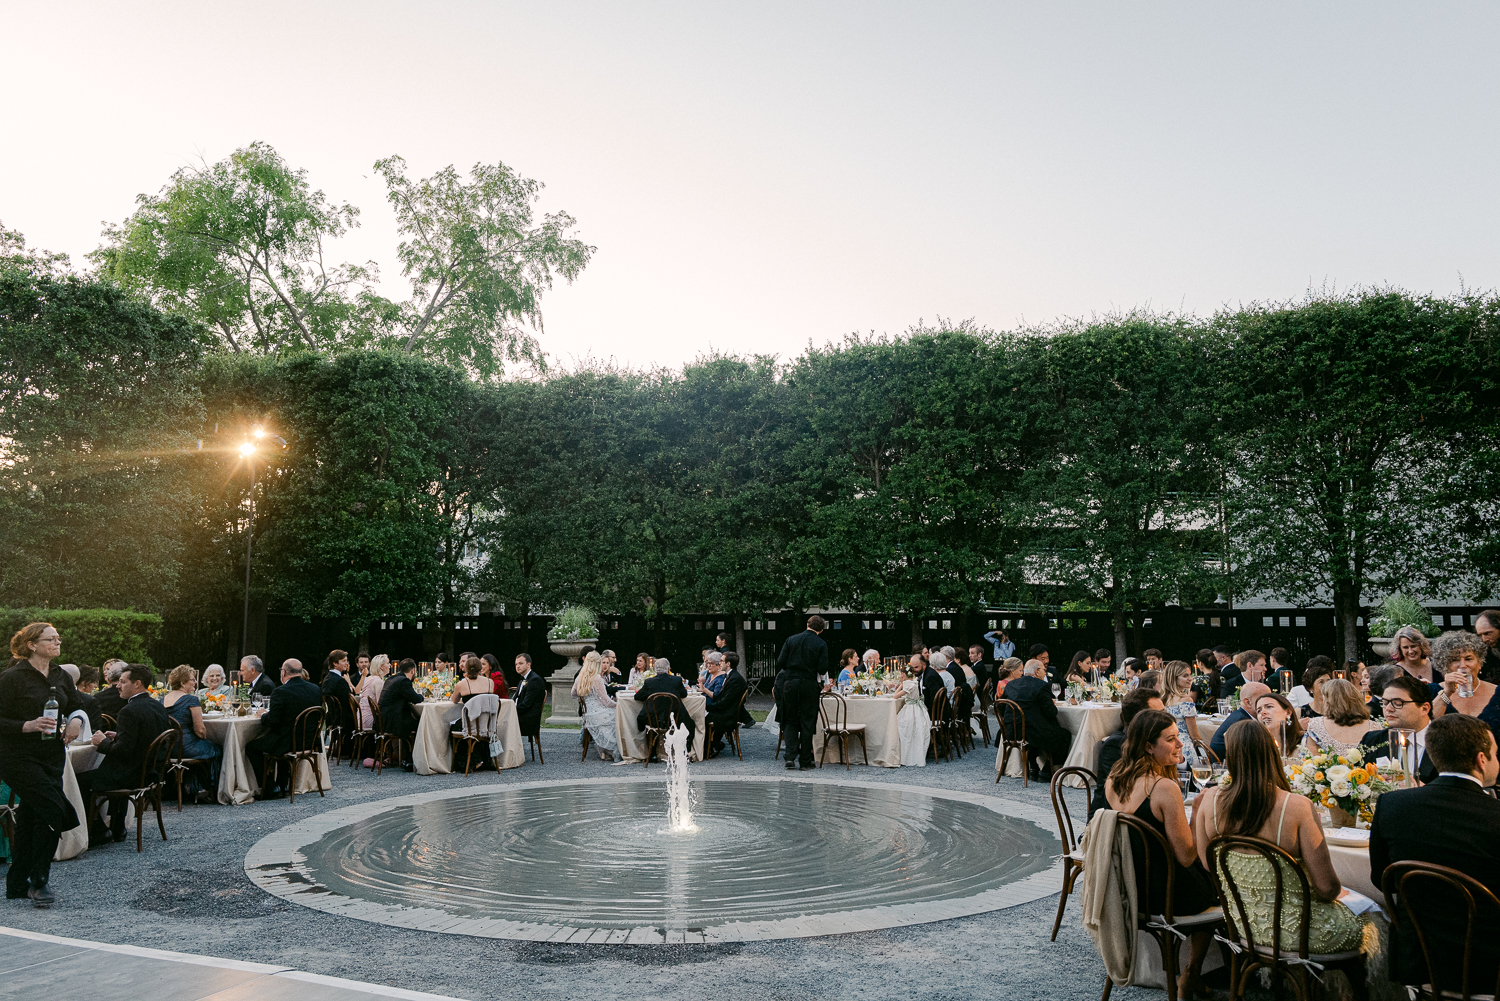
36 965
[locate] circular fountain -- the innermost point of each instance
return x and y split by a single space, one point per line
596 860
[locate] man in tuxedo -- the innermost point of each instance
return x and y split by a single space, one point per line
1229 675
398 713
142 719
109 701
724 707
1250 691
1051 673
1451 821
530 695
984 674
663 682
253 674
932 679
1487 625
1407 705
336 690
291 698
1110 748
1045 736
805 660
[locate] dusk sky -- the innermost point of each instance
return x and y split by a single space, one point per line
759 176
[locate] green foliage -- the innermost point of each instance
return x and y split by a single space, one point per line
90 635
1399 610
574 622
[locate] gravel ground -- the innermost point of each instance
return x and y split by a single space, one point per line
190 894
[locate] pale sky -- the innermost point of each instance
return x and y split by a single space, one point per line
756 176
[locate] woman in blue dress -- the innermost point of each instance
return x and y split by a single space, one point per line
185 707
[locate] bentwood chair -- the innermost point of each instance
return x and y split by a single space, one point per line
833 711
659 711
336 731
1010 734
8 815
479 719
1422 895
978 715
178 767
387 741
1280 955
1168 929
307 745
1205 752
732 735
941 713
360 735
1073 857
780 733
148 791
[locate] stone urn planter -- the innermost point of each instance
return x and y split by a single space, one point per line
564 702
1382 646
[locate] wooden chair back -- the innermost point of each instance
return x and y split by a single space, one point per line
307 731
1232 899
1065 826
1414 893
833 711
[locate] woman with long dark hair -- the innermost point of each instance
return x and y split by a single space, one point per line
1259 803
1143 783
1273 709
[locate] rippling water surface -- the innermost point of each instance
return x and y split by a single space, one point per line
599 855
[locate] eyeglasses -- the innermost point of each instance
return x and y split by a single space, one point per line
1399 704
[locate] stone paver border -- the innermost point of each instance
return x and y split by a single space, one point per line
277 865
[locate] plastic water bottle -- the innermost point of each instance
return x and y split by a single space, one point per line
49 711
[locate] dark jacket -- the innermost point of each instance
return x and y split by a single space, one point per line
1380 742
90 707
1043 731
109 702
1108 756
288 702
1450 822
531 695
396 700
724 708
668 684
804 655
263 684
932 683
1217 743
1230 678
141 721
23 694
337 693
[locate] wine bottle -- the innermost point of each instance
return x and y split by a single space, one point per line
49 711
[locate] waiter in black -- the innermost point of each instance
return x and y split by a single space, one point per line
804 658
32 753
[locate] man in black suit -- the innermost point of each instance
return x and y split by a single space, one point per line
530 695
984 672
142 719
1108 752
294 696
1229 675
1045 736
1487 625
336 690
724 708
1250 692
1407 705
1451 821
669 684
804 657
253 674
109 701
398 713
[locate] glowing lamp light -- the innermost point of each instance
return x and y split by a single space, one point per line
258 432
247 449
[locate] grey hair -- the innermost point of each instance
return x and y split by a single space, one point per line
872 652
71 670
938 660
1451 644
1034 669
219 668
714 658
948 652
112 672
254 662
662 665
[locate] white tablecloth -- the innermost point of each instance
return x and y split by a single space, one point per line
633 743
238 782
433 751
1089 723
881 734
81 758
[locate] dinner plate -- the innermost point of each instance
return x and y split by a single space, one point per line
1348 837
212 715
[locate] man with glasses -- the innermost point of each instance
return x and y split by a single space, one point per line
1407 706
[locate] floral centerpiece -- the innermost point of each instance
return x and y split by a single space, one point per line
158 691
435 686
1107 690
1342 782
873 683
215 703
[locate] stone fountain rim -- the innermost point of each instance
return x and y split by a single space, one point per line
277 865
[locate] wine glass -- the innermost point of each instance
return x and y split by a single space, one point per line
1202 772
1056 690
255 701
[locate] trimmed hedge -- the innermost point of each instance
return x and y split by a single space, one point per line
89 635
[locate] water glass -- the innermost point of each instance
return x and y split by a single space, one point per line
1465 684
1056 691
1226 706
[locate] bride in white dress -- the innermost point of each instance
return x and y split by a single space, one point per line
599 708
913 724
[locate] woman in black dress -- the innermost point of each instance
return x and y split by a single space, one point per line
32 754
1143 783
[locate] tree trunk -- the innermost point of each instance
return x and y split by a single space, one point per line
660 625
1138 626
739 643
1346 608
1119 617
916 630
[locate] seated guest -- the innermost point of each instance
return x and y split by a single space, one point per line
640 672
1309 695
1460 657
142 719
724 707
186 710
531 696
932 682
1151 679
1143 783
87 683
664 682
1280 661
474 682
252 675
1111 747
1344 721
1009 670
962 693
598 707
939 663
984 674
398 708
493 671
294 696
1407 706
1249 693
1079 670
1047 741
848 667
712 678
1273 710
1451 822
870 662
109 699
367 695
336 690
1259 804
213 682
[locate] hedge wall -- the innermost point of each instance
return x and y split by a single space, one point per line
89 635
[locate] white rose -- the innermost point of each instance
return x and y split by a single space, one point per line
1340 789
1338 773
1300 785
1363 792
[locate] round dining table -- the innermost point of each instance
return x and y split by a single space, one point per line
1088 722
432 751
